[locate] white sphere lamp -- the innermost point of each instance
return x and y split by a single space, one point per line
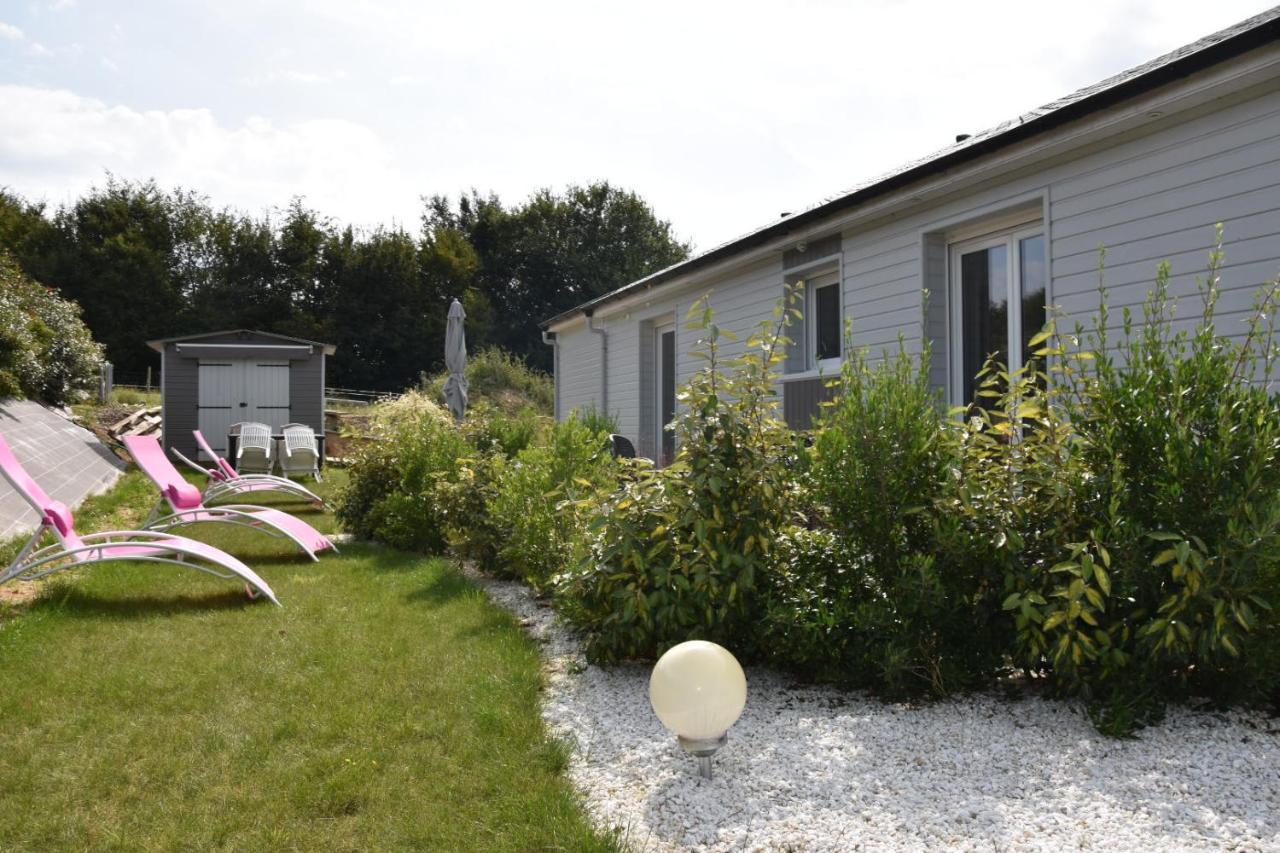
698 690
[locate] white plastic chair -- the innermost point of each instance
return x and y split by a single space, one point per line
224 481
301 451
253 451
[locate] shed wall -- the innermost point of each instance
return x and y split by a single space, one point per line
180 386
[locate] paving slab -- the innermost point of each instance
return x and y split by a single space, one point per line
68 461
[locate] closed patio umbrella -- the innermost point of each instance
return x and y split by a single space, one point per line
455 360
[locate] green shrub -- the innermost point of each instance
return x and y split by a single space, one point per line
595 420
462 498
502 380
490 429
1169 584
917 607
46 351
810 620
545 496
390 494
680 553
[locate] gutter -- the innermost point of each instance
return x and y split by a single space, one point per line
604 360
549 338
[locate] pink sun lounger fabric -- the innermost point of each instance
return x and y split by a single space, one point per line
225 482
116 545
186 504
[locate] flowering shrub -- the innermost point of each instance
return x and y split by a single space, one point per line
46 351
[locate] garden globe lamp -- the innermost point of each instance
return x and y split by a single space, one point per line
698 690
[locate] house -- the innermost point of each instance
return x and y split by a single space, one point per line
1144 163
212 380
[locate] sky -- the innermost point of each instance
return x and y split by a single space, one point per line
722 115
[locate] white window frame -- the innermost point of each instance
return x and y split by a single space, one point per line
811 288
659 329
1011 239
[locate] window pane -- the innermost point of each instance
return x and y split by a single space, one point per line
984 294
827 305
1032 271
668 395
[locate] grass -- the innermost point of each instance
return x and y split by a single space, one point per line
387 705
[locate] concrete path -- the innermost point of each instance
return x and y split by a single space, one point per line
66 460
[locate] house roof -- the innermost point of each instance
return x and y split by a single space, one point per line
159 344
1254 32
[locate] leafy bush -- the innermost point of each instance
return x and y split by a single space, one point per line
390 493
1167 586
595 420
918 609
502 380
545 496
810 620
492 430
462 498
680 553
46 351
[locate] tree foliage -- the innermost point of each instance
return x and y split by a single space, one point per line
146 263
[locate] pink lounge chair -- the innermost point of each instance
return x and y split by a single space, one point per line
226 482
141 546
186 505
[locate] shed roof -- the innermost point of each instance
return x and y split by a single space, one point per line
1251 33
159 344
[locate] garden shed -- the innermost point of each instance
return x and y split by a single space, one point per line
213 380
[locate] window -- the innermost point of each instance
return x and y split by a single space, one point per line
998 287
822 320
665 372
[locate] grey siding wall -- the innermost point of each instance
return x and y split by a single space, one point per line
933 258
306 391
578 381
1147 198
1148 194
181 381
802 399
645 440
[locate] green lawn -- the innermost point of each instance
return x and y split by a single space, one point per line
387 705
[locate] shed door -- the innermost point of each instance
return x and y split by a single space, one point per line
218 397
267 392
241 389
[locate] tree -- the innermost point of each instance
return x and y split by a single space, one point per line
144 263
553 252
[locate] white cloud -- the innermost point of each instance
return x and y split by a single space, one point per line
722 113
54 144
110 64
37 49
10 32
290 75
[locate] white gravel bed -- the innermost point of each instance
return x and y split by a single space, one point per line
816 769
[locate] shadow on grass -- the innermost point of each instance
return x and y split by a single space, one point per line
448 585
67 600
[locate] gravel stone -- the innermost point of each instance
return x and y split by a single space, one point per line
816 769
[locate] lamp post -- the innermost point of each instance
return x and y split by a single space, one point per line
698 690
